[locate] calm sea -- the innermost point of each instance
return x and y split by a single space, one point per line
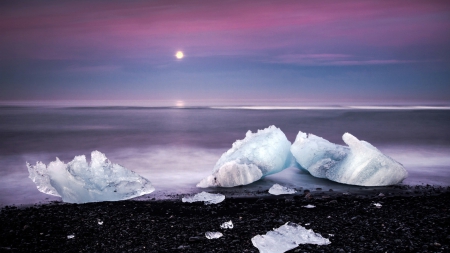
176 147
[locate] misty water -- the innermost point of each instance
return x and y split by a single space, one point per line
176 147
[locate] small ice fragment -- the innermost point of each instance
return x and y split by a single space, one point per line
381 194
213 235
307 224
331 235
309 206
377 205
287 237
227 224
329 217
100 222
277 189
208 198
70 236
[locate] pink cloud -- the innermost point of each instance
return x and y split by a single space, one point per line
331 59
96 69
73 30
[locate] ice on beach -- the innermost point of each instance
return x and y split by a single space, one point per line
79 181
277 189
70 236
377 205
208 198
227 224
358 164
309 206
213 235
287 237
257 155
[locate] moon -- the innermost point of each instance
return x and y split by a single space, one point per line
179 55
179 103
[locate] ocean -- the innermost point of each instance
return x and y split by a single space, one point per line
176 147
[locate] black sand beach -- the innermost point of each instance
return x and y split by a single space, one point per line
416 220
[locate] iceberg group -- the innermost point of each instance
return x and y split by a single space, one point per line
208 198
287 237
257 155
358 164
79 181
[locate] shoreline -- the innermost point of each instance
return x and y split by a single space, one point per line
418 221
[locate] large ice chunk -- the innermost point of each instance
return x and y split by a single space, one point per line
277 189
358 164
79 181
208 198
248 160
316 154
287 237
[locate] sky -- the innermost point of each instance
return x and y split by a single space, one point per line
252 52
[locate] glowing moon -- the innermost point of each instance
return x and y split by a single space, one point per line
179 103
179 55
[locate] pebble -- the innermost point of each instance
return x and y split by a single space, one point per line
403 224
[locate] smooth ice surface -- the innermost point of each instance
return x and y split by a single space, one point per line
287 237
208 198
213 235
227 224
79 181
277 189
358 164
248 160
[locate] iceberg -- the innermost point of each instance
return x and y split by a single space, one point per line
287 237
79 181
277 189
358 164
257 155
208 198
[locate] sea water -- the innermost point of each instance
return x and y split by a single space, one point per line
176 147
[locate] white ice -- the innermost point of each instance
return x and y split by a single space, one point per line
208 198
377 205
358 164
228 224
287 237
248 160
277 189
309 206
213 235
79 181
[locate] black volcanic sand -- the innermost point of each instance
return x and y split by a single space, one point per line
419 223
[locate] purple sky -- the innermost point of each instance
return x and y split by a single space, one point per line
236 52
